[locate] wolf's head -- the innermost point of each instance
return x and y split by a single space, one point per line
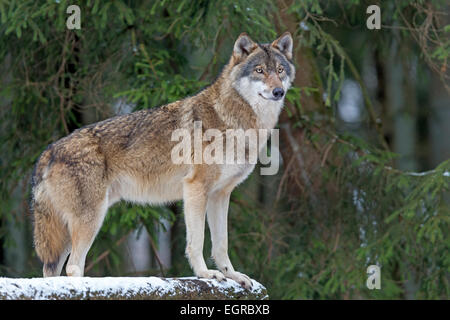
262 73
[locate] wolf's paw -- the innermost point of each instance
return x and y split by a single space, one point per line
74 271
211 274
240 278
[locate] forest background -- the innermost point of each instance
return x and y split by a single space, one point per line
364 136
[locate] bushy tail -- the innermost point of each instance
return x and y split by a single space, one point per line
51 235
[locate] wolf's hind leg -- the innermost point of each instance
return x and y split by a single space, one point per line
84 229
217 211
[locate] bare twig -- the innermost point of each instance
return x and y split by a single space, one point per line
327 150
300 161
283 178
155 251
57 76
106 253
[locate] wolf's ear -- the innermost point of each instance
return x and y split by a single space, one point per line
243 46
284 44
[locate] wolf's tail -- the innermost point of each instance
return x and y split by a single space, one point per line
51 234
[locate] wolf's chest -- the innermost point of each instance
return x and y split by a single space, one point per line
233 174
267 113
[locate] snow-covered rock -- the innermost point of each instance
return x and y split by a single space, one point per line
88 288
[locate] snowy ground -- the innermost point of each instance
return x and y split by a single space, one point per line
126 288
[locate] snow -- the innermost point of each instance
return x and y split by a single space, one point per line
303 26
349 106
81 288
421 174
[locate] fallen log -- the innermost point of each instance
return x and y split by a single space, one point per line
120 288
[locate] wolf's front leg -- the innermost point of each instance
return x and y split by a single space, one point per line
217 210
194 196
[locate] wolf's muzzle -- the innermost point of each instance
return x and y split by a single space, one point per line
278 93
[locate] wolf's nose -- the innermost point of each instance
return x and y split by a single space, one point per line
278 93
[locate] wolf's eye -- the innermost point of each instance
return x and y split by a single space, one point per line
258 69
280 69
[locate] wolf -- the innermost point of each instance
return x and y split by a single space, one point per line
127 157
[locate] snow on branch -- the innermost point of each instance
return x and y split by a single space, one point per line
119 288
419 174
